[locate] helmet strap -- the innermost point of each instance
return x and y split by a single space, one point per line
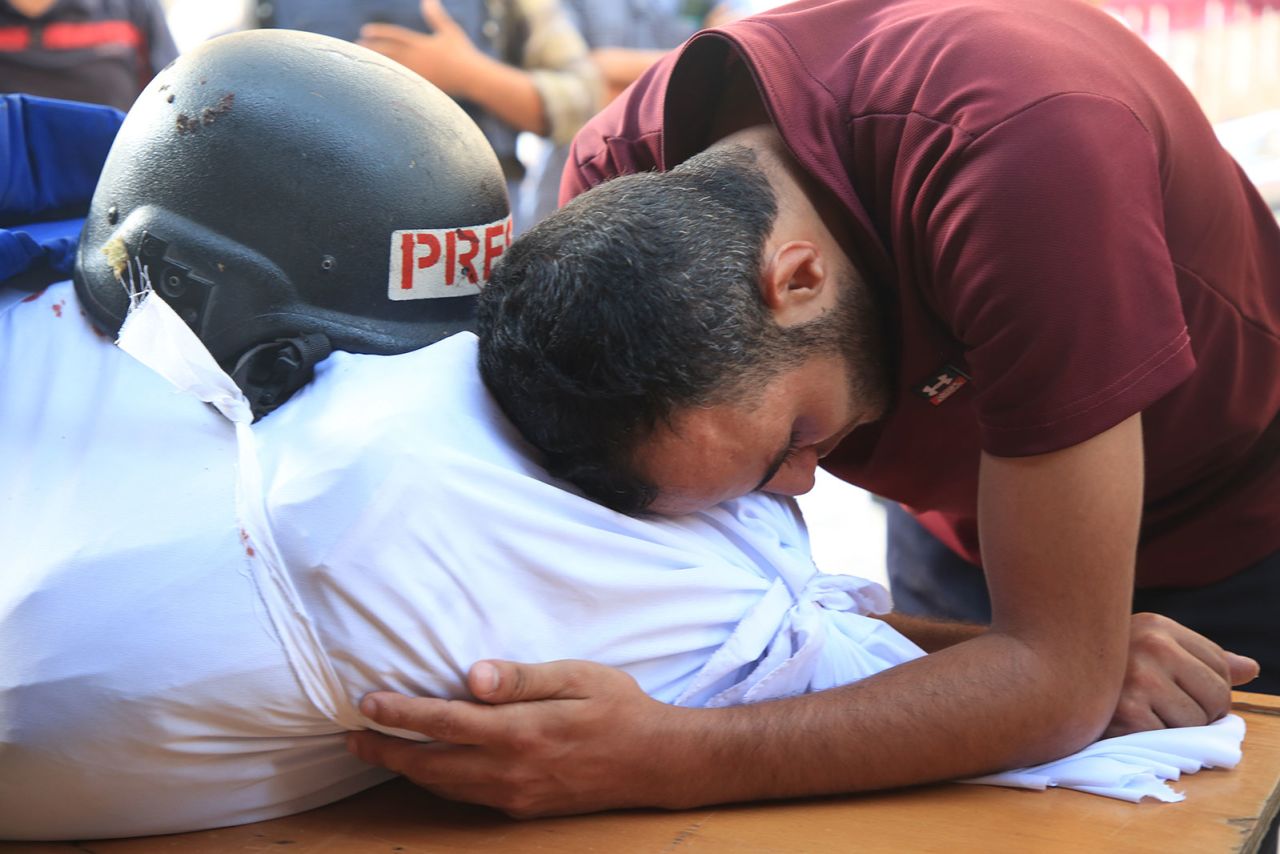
270 373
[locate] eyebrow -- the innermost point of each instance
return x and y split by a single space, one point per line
779 459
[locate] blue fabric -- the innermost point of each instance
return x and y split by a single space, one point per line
48 246
50 155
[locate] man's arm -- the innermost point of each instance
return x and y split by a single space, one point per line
555 92
1169 666
933 635
620 66
1059 534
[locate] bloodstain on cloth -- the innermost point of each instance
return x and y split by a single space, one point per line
57 307
248 547
35 296
96 331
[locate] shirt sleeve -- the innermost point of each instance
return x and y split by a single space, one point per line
557 58
623 138
1047 254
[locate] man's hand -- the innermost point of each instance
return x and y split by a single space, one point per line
577 737
1175 677
445 57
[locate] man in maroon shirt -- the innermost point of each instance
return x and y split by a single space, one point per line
984 258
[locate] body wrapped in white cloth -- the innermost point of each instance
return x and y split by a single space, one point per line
191 608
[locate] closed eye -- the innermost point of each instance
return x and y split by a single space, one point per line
792 448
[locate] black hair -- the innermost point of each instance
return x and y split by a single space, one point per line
635 300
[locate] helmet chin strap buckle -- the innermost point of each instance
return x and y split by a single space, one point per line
270 373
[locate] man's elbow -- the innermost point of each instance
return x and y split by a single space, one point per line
1074 701
1082 720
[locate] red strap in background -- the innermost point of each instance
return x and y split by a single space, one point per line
73 36
14 38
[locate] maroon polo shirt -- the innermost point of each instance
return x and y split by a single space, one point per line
1060 237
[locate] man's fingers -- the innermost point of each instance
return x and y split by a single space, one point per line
494 683
436 766
1170 635
375 32
514 682
435 15
1232 668
1132 716
394 754
1200 696
456 773
452 721
1243 669
1176 676
390 48
382 46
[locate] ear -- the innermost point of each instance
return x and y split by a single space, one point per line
794 282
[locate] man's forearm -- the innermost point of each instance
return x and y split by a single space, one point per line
932 635
507 92
989 704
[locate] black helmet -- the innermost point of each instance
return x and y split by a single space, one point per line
288 193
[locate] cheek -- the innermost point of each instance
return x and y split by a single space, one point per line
692 488
818 427
830 415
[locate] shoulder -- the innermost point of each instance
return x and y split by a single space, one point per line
965 62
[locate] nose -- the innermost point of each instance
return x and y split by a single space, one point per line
797 475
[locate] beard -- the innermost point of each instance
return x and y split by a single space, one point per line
864 343
854 330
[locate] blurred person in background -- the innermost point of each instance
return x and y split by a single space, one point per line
1226 54
513 65
626 37
99 51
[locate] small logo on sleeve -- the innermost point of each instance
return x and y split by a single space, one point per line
445 262
945 382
